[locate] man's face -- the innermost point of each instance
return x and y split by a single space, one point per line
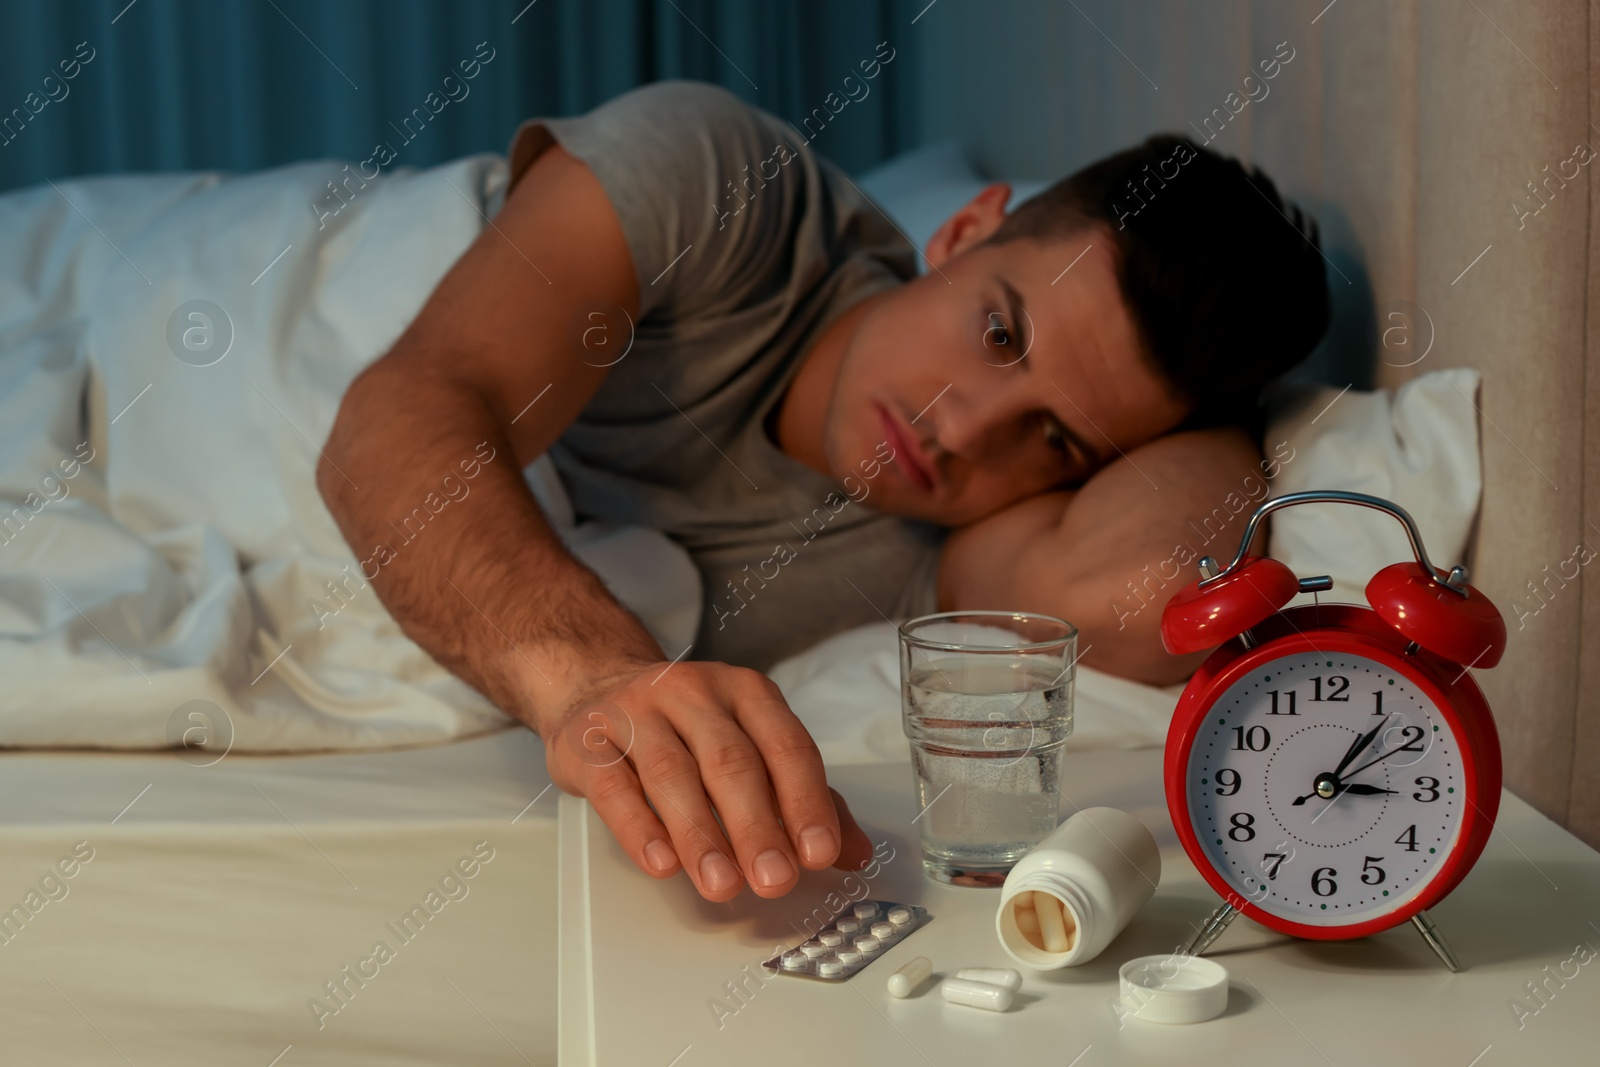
1000 374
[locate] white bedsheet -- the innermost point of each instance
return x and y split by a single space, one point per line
162 542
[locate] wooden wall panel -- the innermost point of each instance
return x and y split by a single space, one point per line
1409 128
1583 810
1492 115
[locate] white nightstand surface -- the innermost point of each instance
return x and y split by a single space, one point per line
643 962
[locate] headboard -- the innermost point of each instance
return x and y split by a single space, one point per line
1445 151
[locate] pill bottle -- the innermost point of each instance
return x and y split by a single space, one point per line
1101 865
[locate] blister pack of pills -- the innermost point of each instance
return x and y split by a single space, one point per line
852 940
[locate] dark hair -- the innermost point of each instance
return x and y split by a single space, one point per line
1224 279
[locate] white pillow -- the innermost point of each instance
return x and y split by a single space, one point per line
1416 446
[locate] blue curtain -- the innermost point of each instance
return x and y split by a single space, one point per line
103 86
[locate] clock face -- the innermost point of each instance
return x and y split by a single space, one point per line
1302 824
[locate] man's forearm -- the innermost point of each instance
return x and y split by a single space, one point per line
1108 556
487 589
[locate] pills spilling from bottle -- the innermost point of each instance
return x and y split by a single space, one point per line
852 941
904 982
983 995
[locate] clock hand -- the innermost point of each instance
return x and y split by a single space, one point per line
1358 746
1369 763
1339 792
1357 788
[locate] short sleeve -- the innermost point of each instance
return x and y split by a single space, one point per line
710 191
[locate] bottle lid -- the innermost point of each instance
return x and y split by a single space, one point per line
1174 989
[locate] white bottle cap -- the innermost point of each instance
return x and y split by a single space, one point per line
1173 989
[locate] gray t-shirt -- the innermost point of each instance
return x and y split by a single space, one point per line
747 244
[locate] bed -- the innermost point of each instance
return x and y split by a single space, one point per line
296 777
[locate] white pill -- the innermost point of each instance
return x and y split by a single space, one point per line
1000 976
907 978
866 909
847 926
900 916
883 931
794 961
829 968
848 956
868 944
831 939
976 994
813 949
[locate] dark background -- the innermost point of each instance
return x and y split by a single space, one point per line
247 84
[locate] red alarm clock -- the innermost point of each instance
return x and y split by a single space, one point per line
1332 770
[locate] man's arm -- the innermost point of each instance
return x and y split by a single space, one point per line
491 593
1108 556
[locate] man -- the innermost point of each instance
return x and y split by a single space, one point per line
807 416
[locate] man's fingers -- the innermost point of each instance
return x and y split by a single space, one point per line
671 780
735 775
856 848
614 793
794 765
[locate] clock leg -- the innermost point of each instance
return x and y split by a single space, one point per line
1430 934
1212 929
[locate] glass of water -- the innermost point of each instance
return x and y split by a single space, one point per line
986 700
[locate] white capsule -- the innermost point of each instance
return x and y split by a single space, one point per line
831 939
830 968
976 994
884 931
1053 921
868 944
847 926
907 978
900 916
848 956
1000 976
794 961
866 909
813 949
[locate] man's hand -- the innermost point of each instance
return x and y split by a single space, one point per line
492 369
700 741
